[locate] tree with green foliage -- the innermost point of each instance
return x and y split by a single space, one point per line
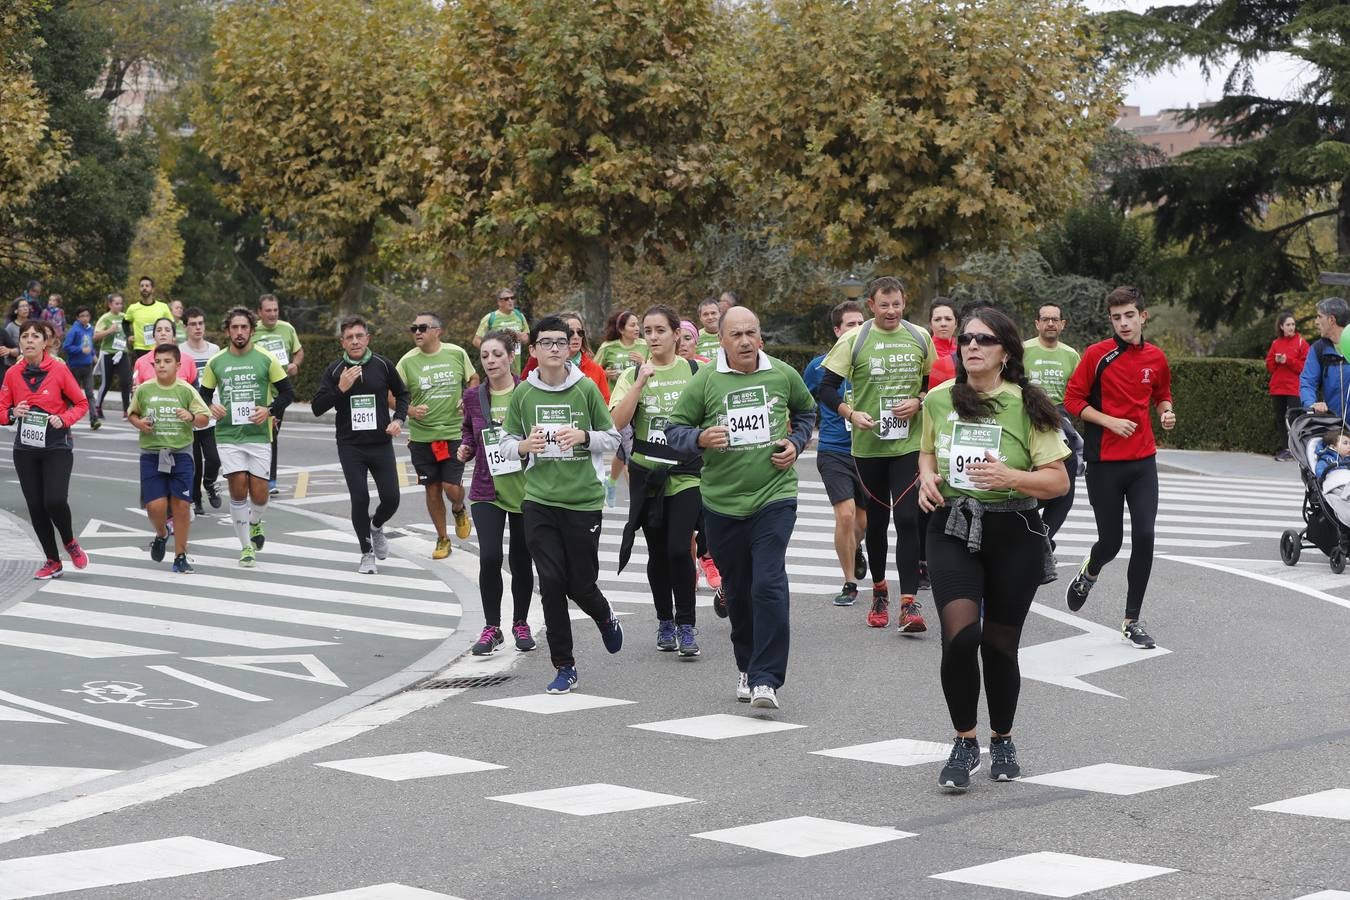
573 132
1232 260
157 250
169 36
31 154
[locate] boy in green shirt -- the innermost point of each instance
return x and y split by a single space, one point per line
165 411
558 421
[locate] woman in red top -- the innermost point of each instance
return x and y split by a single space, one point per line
1284 362
942 326
581 354
44 399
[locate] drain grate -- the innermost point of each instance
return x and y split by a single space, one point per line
473 681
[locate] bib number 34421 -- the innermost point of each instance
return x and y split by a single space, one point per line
748 417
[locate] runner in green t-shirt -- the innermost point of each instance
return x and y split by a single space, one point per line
709 314
990 449
279 339
621 349
661 481
506 318
114 358
1049 363
164 411
887 361
557 418
437 375
141 318
749 416
254 389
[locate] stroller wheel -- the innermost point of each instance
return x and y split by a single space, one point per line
1291 545
1338 561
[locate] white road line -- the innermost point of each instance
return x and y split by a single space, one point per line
70 646
22 782
266 613
209 684
211 634
1257 576
272 549
16 700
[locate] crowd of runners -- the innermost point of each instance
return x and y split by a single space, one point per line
955 431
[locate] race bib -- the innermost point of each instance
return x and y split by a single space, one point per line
848 398
970 441
748 416
277 347
553 419
33 429
148 334
891 427
363 412
656 434
119 342
240 411
497 462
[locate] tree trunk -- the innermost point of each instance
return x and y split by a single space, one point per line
596 275
524 296
358 246
1343 222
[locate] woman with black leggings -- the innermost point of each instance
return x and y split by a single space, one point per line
44 400
991 447
495 496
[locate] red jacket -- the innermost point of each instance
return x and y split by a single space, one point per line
589 367
1136 377
944 369
55 392
1284 376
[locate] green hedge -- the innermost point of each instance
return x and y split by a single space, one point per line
1221 404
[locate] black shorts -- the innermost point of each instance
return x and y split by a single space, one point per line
840 477
433 471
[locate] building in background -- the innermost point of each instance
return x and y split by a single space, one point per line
1167 131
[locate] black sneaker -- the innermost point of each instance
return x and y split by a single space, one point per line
490 639
665 635
720 603
925 584
1135 635
1003 760
1079 588
157 548
1051 572
181 565
859 564
197 509
963 763
847 596
211 495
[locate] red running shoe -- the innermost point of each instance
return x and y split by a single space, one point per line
77 554
910 620
710 573
52 569
879 616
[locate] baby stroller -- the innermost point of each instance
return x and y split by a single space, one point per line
1324 531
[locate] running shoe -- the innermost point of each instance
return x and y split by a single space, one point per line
1135 635
379 543
611 632
710 573
963 763
564 681
463 527
524 640
611 493
78 557
255 534
489 640
198 509
763 697
684 636
272 489
96 424
665 635
51 569
442 548
367 565
879 616
1051 572
157 547
848 595
248 557
925 583
910 620
720 604
1003 759
859 564
1283 456
1079 588
743 688
181 565
212 495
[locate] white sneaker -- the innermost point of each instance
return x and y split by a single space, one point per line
743 688
367 566
763 697
379 543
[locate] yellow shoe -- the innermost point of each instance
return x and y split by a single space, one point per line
442 549
462 524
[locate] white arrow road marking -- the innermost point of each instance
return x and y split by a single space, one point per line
1062 662
10 714
97 722
318 672
209 684
100 528
20 782
1277 574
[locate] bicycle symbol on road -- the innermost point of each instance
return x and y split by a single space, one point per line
126 692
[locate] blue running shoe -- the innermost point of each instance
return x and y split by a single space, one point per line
665 635
564 681
611 632
688 646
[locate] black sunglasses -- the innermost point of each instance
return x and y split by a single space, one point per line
419 328
984 340
576 332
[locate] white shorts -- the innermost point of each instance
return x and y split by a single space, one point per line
255 459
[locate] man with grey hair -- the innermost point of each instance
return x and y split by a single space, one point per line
1324 382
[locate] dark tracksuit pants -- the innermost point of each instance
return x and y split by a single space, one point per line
565 547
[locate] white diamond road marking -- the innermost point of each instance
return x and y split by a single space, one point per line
717 727
1331 804
10 714
78 870
20 782
1053 874
1110 778
388 891
899 752
406 766
803 836
549 704
1326 895
592 799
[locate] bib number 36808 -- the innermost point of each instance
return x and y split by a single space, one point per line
970 442
891 427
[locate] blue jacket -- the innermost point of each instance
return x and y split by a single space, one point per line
1328 459
79 346
834 437
1325 377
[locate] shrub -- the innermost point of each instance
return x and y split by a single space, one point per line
1221 404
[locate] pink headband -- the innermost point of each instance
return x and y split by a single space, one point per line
688 326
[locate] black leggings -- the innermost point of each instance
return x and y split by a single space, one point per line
490 520
1001 578
1111 486
121 370
886 478
378 460
205 461
670 568
1283 403
44 477
84 377
1056 511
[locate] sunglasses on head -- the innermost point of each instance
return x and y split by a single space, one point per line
420 328
984 340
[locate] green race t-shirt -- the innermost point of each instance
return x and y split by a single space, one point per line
708 344
280 340
160 404
437 381
142 317
741 480
242 383
659 396
614 355
572 479
512 321
1049 368
510 487
890 367
116 341
1008 433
